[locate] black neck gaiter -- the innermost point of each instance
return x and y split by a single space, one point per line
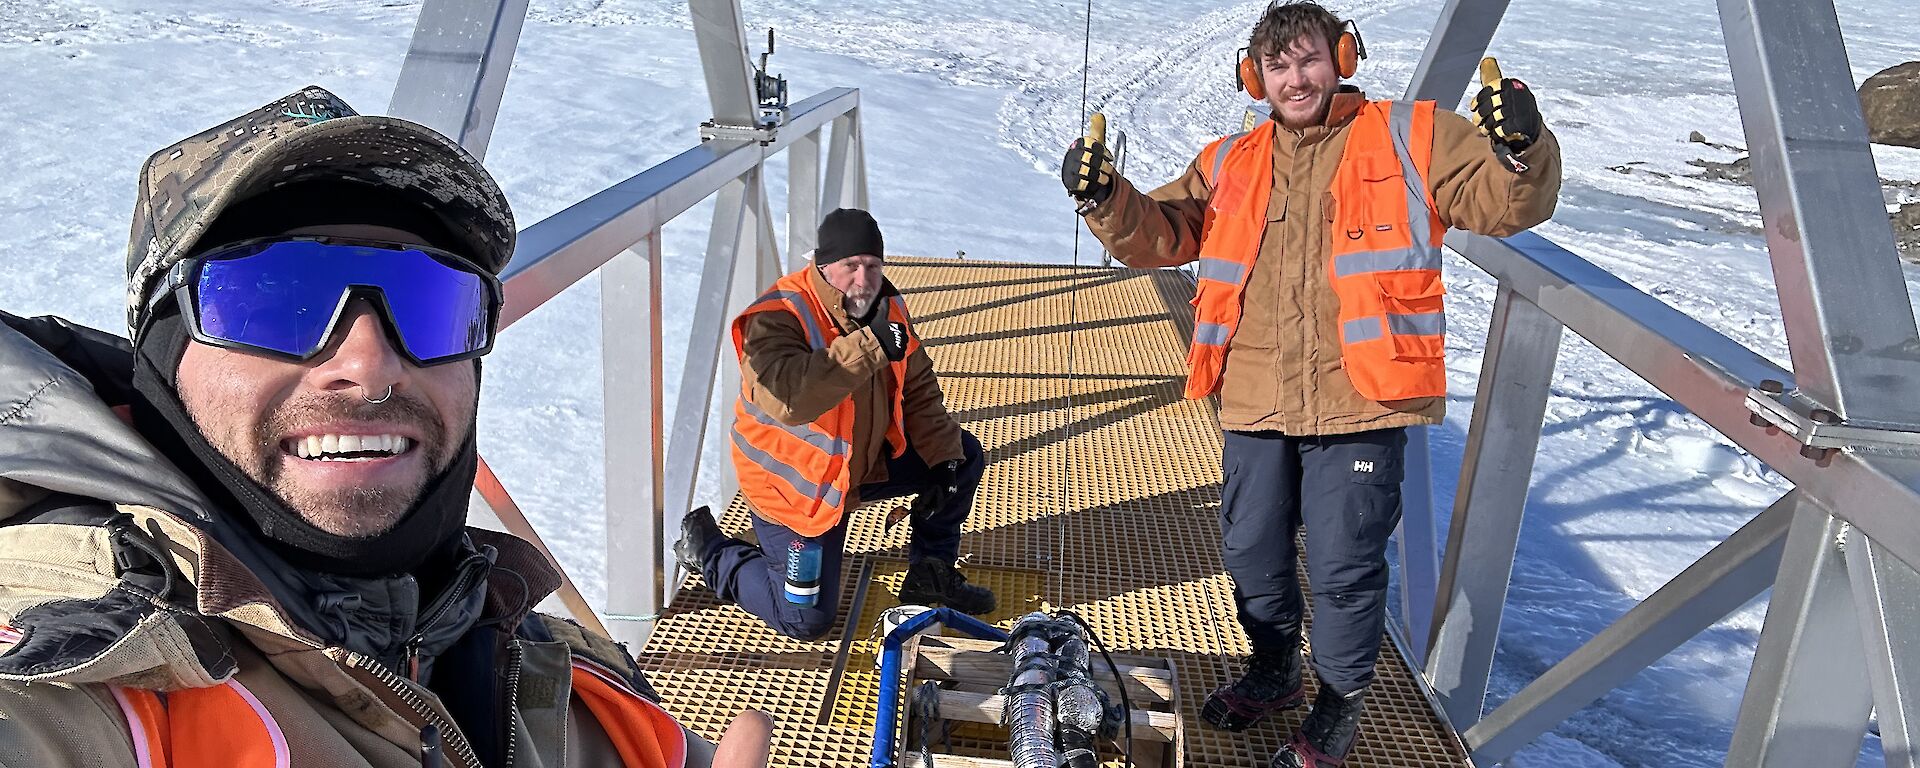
431 530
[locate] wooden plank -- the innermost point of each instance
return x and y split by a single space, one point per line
914 760
976 708
941 658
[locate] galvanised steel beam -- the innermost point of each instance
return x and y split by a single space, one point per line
1522 345
456 68
733 228
1706 372
1808 698
1886 594
1849 321
721 33
564 248
803 198
631 368
1460 38
1418 540
1728 576
1452 56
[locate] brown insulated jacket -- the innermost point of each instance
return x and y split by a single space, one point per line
786 377
154 591
1283 366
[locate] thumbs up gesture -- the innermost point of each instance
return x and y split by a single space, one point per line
1505 111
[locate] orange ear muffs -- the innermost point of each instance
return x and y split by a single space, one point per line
1349 50
1250 78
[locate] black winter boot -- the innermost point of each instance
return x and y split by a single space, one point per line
1271 684
698 531
1328 734
934 581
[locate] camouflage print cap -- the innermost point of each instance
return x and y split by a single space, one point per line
311 134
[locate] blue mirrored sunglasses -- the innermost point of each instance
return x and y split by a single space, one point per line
285 296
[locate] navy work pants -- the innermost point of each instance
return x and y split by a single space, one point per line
1346 490
755 577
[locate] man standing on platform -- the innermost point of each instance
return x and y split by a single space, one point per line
838 405
1320 326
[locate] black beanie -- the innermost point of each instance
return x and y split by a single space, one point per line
849 232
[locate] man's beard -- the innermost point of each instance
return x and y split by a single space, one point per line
859 307
350 511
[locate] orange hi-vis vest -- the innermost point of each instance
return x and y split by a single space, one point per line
226 726
1385 254
799 476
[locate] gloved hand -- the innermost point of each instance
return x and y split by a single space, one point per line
1087 171
942 483
891 335
1509 116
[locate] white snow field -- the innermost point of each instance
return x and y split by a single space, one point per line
967 107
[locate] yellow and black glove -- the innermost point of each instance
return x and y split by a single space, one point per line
1088 172
1507 113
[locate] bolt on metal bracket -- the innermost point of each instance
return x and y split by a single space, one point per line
1820 431
763 132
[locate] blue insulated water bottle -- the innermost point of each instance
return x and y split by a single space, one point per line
803 573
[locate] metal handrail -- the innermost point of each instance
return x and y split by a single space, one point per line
566 247
453 80
1837 640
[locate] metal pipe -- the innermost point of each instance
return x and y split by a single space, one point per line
1079 708
886 725
1029 709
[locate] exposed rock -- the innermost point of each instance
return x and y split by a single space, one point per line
1906 231
1739 171
1701 138
1891 100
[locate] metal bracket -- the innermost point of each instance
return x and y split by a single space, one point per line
1819 430
764 132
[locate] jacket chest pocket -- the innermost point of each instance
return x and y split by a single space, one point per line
1367 204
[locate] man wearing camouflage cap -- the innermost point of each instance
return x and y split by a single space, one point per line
240 539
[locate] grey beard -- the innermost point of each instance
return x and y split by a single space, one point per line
857 310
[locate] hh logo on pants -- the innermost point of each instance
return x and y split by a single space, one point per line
1362 466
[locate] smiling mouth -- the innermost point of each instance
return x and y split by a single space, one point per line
346 447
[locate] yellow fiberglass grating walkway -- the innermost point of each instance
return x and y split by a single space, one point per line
1101 495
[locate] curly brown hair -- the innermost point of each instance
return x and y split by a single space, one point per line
1284 23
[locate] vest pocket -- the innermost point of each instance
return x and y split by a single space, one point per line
1416 319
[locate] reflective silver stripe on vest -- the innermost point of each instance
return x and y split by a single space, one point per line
801 307
1214 334
1390 260
828 443
827 494
1400 124
1363 329
1222 270
1220 156
1425 324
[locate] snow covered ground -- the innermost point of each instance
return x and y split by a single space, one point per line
602 89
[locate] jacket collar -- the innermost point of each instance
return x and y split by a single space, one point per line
1346 103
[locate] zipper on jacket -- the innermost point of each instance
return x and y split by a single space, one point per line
471 573
392 683
513 701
